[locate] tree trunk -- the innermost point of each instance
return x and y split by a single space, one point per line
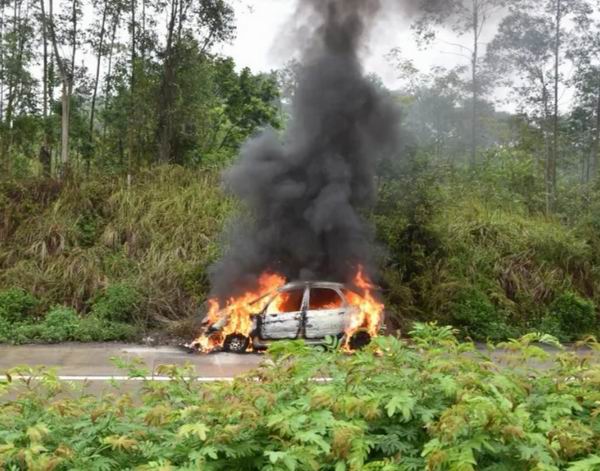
143 35
96 81
596 147
3 155
107 84
555 140
547 145
65 95
131 126
165 121
45 152
64 142
1 61
474 82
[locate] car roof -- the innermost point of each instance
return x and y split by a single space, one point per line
312 284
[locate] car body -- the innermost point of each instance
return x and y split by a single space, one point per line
311 311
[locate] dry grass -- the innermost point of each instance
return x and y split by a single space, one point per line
65 243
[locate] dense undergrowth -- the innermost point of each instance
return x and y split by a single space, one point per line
475 249
428 404
115 254
472 249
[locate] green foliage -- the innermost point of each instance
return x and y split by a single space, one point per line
573 315
95 329
60 324
149 243
472 249
431 404
17 305
478 318
118 302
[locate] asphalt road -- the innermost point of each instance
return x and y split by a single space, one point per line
93 361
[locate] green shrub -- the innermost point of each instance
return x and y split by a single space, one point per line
432 404
97 329
572 316
88 226
477 318
17 305
26 333
5 330
117 303
60 325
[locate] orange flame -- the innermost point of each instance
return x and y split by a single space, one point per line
239 311
369 312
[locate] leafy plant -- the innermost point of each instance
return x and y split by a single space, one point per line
16 305
117 303
478 318
97 329
60 324
433 403
63 324
572 315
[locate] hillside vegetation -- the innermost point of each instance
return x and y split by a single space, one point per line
463 248
126 254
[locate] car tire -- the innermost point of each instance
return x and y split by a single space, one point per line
359 340
236 343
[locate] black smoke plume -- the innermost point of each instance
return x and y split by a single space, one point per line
305 190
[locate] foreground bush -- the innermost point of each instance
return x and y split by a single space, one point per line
429 404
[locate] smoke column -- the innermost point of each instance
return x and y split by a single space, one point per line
305 189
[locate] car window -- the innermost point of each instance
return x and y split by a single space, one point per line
324 298
286 301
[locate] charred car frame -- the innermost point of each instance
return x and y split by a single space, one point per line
311 311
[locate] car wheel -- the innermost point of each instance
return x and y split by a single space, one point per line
359 340
236 343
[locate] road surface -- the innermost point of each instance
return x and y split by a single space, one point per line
93 361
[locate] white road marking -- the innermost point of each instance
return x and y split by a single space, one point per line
208 379
168 350
120 378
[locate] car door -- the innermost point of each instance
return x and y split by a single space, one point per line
326 314
282 318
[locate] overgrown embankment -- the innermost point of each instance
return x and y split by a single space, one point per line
135 254
476 250
89 260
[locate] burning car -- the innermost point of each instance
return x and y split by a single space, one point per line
302 310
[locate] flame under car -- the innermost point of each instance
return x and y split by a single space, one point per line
303 310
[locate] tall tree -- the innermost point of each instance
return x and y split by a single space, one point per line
529 50
66 68
97 42
584 52
18 83
2 28
464 17
206 23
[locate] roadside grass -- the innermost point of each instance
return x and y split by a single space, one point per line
475 251
66 245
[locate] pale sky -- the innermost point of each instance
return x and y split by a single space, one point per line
258 42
